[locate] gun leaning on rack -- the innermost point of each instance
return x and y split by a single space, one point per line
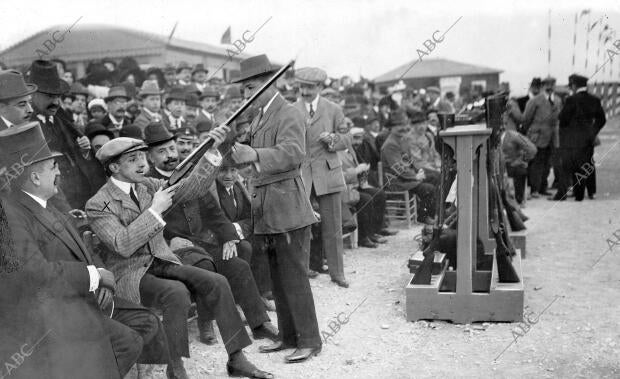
423 273
188 164
504 250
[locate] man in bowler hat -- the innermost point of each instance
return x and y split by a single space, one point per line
281 208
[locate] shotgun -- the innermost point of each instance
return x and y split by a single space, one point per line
188 164
495 106
423 274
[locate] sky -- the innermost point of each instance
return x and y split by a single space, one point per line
362 37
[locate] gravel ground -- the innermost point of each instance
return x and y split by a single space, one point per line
575 337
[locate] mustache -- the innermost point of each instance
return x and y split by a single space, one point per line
171 160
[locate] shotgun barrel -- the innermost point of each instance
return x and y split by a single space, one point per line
185 167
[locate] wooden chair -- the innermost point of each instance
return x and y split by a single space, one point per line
399 205
352 237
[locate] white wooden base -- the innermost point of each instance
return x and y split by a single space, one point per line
489 300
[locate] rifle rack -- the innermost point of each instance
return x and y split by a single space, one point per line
468 294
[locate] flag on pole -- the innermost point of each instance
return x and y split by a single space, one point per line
174 28
549 46
226 37
575 41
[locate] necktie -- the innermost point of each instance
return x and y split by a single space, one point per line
232 196
133 196
550 101
311 111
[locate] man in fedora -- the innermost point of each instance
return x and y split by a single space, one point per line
127 216
281 208
15 99
399 172
78 105
184 74
116 102
175 106
202 222
199 76
209 99
150 94
61 135
89 334
322 169
581 119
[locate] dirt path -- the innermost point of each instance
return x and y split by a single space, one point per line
576 337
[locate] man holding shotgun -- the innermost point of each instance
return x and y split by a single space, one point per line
281 209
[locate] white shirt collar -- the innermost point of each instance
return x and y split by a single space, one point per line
116 122
582 89
167 174
43 119
269 103
8 123
152 114
124 186
41 202
314 103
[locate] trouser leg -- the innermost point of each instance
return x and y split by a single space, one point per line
126 344
294 301
330 208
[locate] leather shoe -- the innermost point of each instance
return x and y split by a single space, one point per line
366 242
312 274
592 196
266 330
206 334
302 354
341 282
276 346
175 370
556 198
388 232
377 239
268 304
239 366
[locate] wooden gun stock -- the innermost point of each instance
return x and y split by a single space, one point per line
188 164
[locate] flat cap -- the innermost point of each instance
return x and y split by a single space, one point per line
185 132
117 147
578 80
433 89
310 75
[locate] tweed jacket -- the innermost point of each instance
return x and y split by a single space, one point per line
321 168
133 236
280 202
200 220
398 169
517 149
540 119
145 118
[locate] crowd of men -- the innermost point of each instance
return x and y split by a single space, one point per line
264 210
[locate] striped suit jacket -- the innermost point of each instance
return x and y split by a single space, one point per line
132 235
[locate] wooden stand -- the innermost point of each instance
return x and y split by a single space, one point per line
468 295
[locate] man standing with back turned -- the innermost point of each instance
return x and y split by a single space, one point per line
281 209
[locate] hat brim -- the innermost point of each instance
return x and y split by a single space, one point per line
110 98
142 95
242 79
159 142
53 154
30 89
100 132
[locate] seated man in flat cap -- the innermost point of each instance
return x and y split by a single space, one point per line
399 171
126 214
201 222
